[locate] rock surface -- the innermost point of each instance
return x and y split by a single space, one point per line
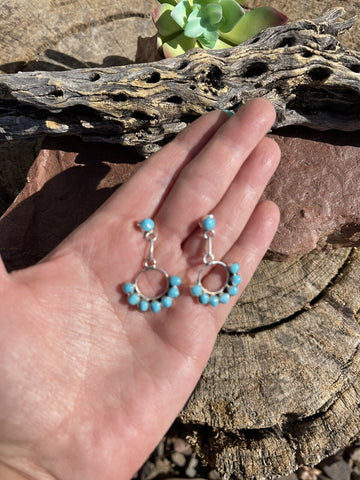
316 186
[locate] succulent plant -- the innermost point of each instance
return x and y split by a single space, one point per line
212 24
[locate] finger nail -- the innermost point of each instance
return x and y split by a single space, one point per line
229 112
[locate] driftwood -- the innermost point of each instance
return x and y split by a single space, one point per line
300 67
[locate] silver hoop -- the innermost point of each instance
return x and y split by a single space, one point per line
138 291
210 264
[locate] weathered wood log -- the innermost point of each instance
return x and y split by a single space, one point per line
301 67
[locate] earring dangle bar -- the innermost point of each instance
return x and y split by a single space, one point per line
233 279
135 296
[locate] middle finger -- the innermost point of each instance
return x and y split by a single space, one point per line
204 181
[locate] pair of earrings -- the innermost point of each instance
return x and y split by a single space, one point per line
171 290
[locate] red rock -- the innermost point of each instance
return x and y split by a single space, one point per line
317 187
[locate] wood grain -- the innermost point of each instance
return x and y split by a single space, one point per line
283 392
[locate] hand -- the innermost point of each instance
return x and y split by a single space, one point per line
89 384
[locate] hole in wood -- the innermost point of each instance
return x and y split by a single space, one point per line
192 87
175 99
214 77
56 93
330 44
183 65
154 78
287 42
94 77
255 70
307 53
355 67
139 115
319 74
118 97
254 40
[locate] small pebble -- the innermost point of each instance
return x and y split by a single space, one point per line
191 469
214 475
355 456
181 446
339 470
308 473
178 458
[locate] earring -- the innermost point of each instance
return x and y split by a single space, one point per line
233 279
171 291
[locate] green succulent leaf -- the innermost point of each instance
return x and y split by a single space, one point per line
213 13
178 45
172 2
211 24
208 38
220 45
163 21
231 14
181 12
204 3
252 23
193 28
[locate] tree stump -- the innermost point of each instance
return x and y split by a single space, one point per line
281 387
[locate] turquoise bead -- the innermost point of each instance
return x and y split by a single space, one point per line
236 280
134 299
155 306
196 290
128 288
225 298
209 223
229 112
166 302
175 281
235 267
147 224
233 290
214 301
173 292
204 298
144 306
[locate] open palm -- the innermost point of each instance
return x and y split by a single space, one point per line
89 383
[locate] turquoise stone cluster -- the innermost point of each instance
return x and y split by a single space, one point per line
229 290
144 304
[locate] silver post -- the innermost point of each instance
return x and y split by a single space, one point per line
150 262
208 255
